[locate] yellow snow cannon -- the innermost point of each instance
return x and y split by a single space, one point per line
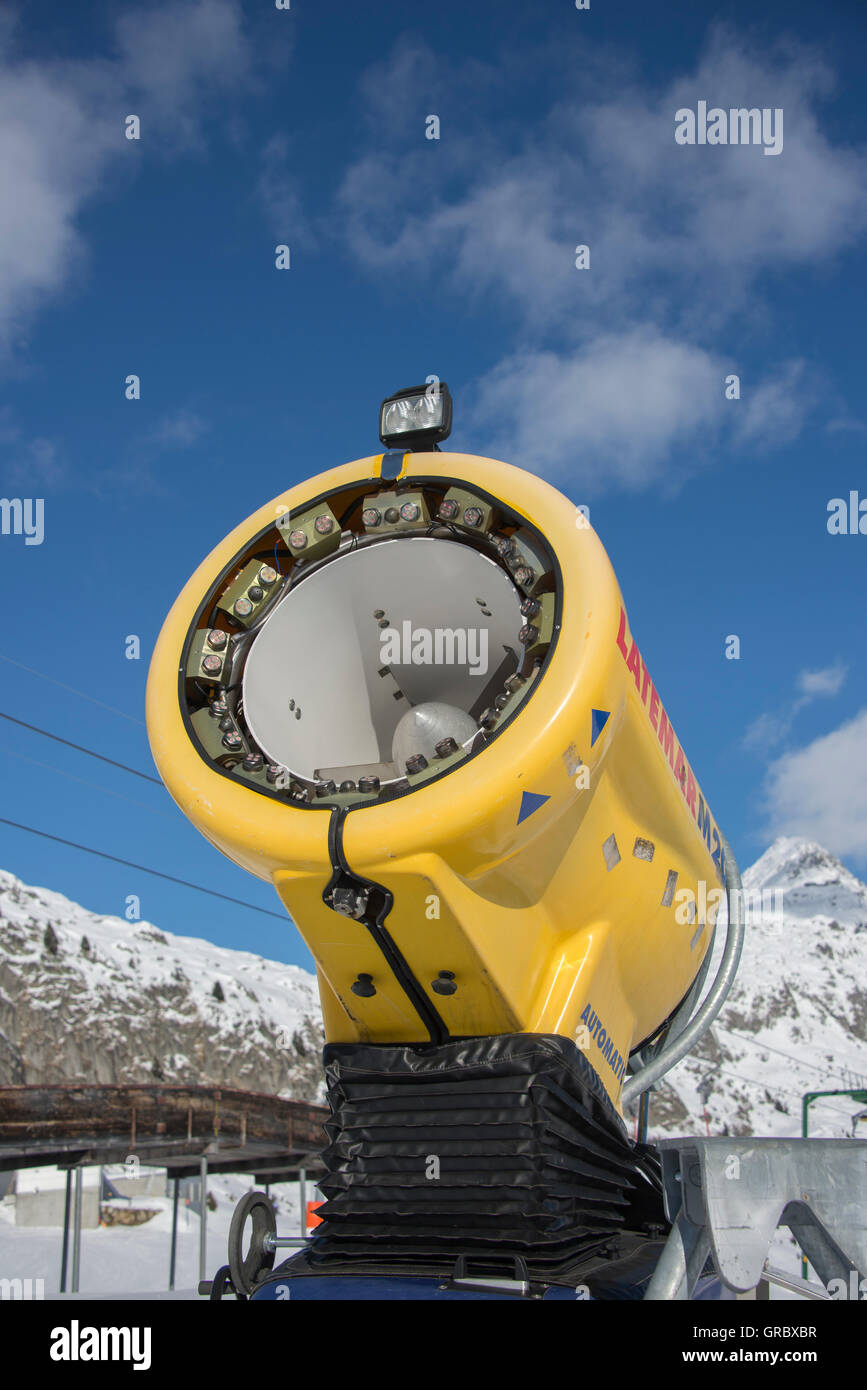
407 693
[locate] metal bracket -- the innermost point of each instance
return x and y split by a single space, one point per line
726 1198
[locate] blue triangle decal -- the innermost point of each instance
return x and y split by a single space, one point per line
599 720
530 802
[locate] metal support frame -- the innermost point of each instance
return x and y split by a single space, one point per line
64 1253
203 1217
726 1198
174 1250
806 1101
76 1228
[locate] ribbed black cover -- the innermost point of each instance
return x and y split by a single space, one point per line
533 1160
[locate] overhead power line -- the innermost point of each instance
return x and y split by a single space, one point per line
85 782
79 748
766 1047
72 690
143 869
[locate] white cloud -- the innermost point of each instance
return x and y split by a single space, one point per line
31 466
179 430
628 409
685 238
772 412
820 791
610 412
279 195
769 729
828 681
61 131
177 57
609 173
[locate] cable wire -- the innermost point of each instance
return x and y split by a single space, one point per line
71 688
83 782
142 868
79 748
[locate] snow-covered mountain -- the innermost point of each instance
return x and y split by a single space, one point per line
102 999
796 1019
92 998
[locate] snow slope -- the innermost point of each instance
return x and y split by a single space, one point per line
84 997
796 1019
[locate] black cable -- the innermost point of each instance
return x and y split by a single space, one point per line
72 690
79 748
142 868
342 520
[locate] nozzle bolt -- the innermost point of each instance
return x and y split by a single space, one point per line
487 719
410 511
473 516
371 516
217 639
368 784
231 740
448 509
212 664
323 525
297 540
524 576
253 762
444 983
326 788
417 763
530 607
446 746
267 575
242 608
528 634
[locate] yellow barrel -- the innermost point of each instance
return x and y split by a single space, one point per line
554 874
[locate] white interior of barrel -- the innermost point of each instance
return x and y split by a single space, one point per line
321 648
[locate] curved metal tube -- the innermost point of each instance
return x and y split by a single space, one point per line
686 1036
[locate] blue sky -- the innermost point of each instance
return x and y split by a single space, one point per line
412 256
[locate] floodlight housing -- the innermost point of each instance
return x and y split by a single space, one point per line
418 418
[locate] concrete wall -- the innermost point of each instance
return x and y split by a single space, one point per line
153 1184
46 1208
